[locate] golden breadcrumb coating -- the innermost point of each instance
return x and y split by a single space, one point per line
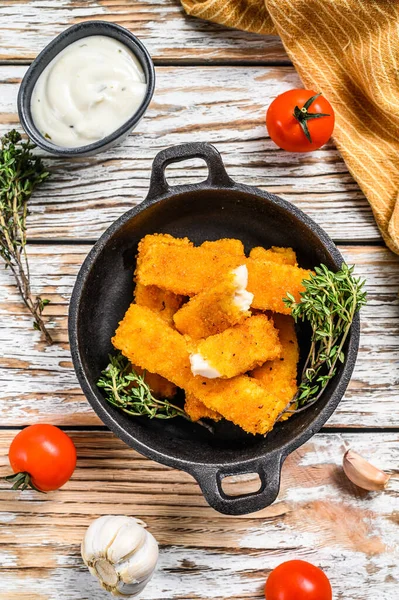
279 376
148 341
197 410
239 349
211 311
160 387
160 301
241 400
270 282
183 269
160 238
283 256
188 270
165 304
226 245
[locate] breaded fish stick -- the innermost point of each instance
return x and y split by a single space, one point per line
270 283
216 308
222 246
279 376
241 400
165 303
183 269
226 245
160 238
197 410
236 350
283 256
149 342
146 340
189 270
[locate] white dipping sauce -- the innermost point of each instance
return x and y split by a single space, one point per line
87 91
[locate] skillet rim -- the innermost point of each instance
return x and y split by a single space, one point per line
194 466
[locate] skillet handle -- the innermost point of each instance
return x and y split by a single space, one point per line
210 482
217 175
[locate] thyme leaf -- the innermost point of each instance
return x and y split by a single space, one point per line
129 392
329 304
20 173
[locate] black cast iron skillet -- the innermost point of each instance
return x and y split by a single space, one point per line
213 209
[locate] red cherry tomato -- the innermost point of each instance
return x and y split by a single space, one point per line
289 117
44 456
297 580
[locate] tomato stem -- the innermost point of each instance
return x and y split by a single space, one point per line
21 481
302 116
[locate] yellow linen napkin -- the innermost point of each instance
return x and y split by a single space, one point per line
348 50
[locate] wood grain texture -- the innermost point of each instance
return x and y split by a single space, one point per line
319 516
37 383
222 105
169 34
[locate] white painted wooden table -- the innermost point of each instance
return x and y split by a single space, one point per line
213 85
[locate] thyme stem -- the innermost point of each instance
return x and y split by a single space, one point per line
129 392
20 173
329 304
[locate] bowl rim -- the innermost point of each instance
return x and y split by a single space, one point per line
194 466
50 51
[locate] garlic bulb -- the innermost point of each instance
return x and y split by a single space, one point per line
120 553
362 473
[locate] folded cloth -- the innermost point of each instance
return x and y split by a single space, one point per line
348 50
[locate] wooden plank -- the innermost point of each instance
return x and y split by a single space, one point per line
222 105
162 25
319 516
37 383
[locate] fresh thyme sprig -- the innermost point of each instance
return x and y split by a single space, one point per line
129 392
329 304
20 173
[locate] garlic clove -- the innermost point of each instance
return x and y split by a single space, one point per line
99 537
142 563
130 590
106 573
127 541
362 473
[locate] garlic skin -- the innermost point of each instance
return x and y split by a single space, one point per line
121 553
362 473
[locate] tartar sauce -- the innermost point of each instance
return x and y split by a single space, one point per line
87 91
